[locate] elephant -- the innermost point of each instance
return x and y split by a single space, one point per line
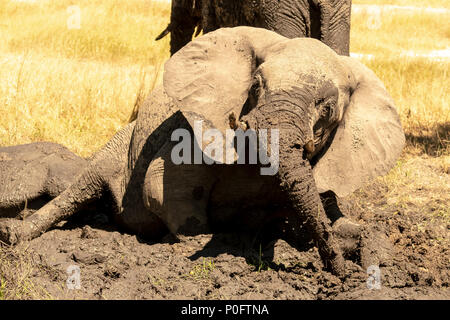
337 129
185 21
325 20
34 173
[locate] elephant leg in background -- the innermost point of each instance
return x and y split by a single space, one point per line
335 30
33 174
178 194
325 20
184 18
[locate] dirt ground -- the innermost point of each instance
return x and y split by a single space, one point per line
409 226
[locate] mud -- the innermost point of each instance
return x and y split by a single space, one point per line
410 246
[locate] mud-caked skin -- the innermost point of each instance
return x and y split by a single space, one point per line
325 20
32 174
338 128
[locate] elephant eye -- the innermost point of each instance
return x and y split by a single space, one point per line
255 89
325 111
325 107
257 84
253 95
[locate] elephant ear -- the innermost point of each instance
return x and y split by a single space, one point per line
368 140
210 77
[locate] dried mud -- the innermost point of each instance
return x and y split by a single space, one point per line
410 246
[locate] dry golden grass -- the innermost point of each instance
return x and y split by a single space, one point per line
76 86
420 89
17 269
397 30
111 30
80 104
422 99
419 183
418 85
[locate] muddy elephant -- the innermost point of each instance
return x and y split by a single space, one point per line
337 128
32 174
326 20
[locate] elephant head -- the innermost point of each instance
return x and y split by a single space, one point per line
338 126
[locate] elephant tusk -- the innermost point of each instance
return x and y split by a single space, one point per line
166 31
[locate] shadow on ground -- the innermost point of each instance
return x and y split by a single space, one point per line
433 143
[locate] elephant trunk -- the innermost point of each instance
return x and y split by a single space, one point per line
296 180
295 175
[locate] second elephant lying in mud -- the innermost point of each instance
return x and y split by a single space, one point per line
33 174
337 127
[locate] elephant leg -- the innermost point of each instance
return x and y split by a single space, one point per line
178 194
182 33
335 24
209 19
184 18
331 207
102 175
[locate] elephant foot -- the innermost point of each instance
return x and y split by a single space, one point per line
376 249
348 234
363 245
12 231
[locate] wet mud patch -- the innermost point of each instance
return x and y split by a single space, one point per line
409 236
